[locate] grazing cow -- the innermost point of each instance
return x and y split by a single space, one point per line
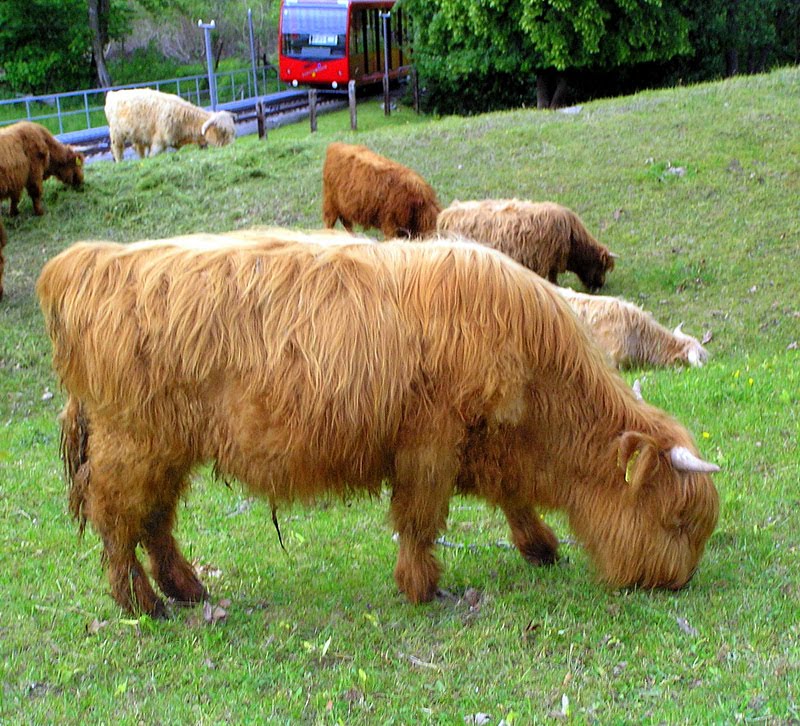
24 160
3 240
153 121
545 237
311 365
631 336
64 162
362 187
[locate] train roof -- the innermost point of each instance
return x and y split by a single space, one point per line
341 3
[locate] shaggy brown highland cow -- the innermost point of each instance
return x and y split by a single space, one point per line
545 237
362 187
631 336
64 163
308 365
23 164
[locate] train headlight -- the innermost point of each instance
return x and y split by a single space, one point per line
294 83
334 85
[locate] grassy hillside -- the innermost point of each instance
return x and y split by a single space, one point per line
697 189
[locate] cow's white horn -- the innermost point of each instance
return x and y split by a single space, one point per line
637 390
684 460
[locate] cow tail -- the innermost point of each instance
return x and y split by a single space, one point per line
74 454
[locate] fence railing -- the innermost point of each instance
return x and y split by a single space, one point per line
79 110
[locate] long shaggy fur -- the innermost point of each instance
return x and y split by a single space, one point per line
153 121
545 237
362 187
631 336
309 365
64 162
24 159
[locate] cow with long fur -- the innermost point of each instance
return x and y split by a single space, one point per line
546 237
63 161
631 336
24 160
153 121
311 365
362 187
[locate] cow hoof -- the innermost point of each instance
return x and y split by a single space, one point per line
541 554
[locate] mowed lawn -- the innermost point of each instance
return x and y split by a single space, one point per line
698 190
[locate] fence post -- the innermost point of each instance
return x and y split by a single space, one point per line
312 109
262 125
387 110
86 109
351 101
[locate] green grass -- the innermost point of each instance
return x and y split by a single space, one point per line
320 635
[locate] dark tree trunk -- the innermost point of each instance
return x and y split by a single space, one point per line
99 11
560 92
218 54
551 87
542 91
732 28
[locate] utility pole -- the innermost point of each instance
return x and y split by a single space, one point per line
212 79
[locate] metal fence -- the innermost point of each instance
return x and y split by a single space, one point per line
78 110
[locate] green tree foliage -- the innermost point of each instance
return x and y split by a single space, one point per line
476 42
479 54
740 36
45 45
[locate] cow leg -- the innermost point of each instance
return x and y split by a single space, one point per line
125 487
2 259
170 569
530 535
34 187
392 231
117 147
329 214
422 486
13 209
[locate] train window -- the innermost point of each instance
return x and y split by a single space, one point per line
314 33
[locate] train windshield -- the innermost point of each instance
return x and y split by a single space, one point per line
314 33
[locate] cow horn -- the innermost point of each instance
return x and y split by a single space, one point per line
209 122
678 330
613 255
637 390
684 460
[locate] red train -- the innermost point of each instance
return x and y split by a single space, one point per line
328 43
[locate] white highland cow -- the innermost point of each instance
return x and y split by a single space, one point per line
152 121
630 336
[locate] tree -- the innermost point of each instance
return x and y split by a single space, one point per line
43 44
546 38
54 45
99 16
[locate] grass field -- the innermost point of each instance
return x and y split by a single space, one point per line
697 189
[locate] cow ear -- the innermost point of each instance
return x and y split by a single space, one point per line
637 458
